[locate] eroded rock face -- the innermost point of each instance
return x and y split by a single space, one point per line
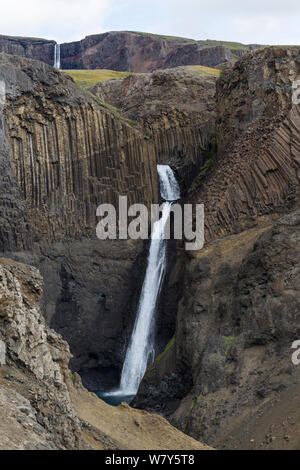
175 108
42 406
126 51
237 321
37 414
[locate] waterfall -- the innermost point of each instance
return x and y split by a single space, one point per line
141 347
57 56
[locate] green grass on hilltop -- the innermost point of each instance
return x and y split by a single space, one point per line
204 43
161 36
22 38
235 46
202 70
86 78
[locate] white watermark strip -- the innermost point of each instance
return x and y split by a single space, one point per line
2 93
296 92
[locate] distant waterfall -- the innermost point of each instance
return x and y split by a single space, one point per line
141 348
57 56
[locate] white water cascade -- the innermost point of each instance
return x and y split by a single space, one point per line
141 347
57 56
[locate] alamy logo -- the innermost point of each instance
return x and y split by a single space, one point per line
2 353
296 92
134 221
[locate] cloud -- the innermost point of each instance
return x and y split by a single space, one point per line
260 21
62 20
252 21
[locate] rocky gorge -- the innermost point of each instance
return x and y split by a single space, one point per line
228 314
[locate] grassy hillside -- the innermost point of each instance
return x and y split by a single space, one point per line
161 36
202 70
234 46
85 78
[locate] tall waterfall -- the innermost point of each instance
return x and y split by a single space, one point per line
57 56
141 347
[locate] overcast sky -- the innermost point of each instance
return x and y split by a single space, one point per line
255 21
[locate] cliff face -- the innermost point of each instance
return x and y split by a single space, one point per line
175 108
256 171
36 411
137 52
69 154
228 376
15 232
31 48
127 51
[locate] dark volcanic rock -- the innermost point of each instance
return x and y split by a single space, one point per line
15 232
69 154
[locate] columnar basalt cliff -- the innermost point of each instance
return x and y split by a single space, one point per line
228 376
256 171
175 108
127 51
15 232
69 154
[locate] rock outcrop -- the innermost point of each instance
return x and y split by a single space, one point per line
127 51
175 108
36 407
43 406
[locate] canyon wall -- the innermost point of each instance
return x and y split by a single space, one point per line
68 154
228 377
256 172
127 51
